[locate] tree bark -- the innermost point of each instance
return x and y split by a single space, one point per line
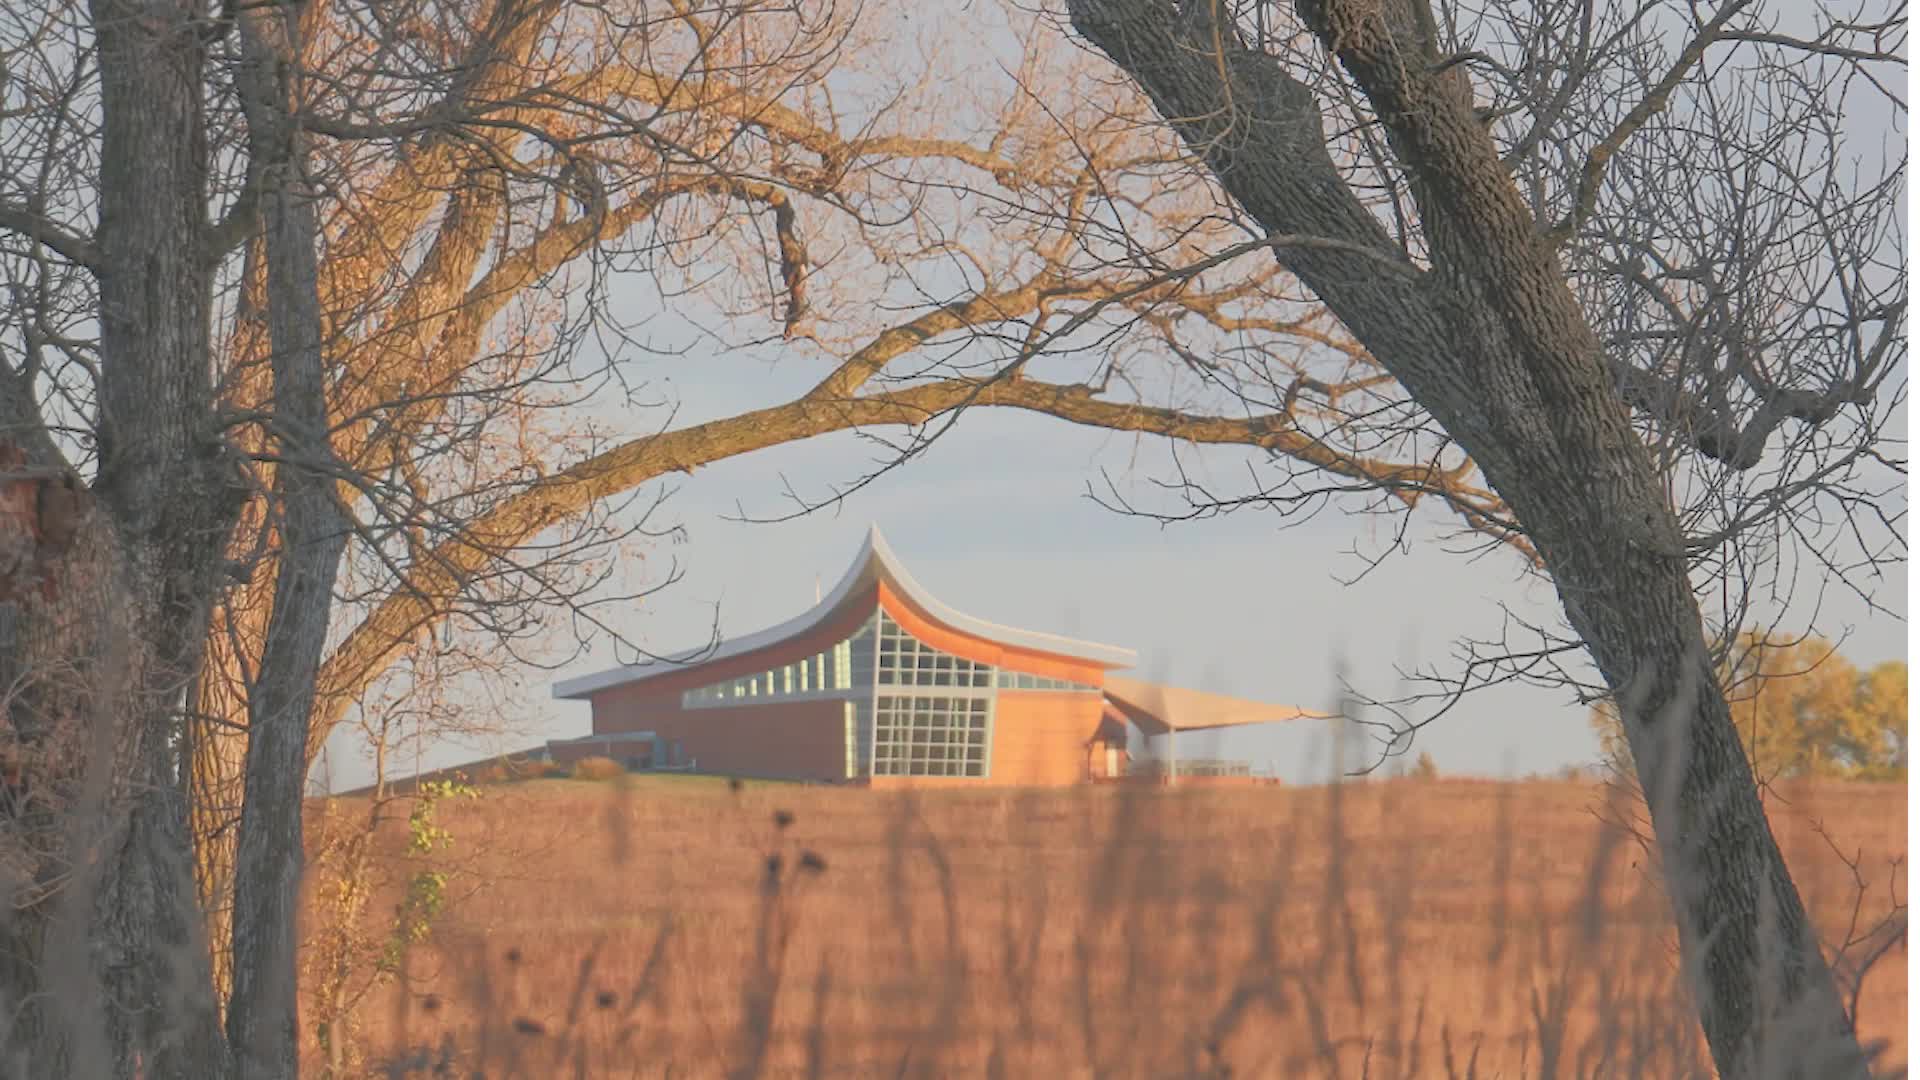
1493 343
215 747
116 965
263 1013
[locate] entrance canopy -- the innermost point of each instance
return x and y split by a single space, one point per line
1157 709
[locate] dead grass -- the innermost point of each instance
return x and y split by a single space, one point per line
1408 928
597 768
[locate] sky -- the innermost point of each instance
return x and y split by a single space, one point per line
996 520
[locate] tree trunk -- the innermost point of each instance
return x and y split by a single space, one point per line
1493 343
263 1014
216 747
110 963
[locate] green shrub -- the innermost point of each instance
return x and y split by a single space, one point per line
596 768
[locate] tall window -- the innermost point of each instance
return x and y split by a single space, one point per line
939 735
859 718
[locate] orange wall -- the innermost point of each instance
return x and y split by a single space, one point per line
1040 736
982 651
889 783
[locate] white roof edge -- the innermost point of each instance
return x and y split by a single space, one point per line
873 552
612 736
1112 656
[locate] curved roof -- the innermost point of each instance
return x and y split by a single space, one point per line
875 562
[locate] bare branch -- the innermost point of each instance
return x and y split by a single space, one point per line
41 230
1595 169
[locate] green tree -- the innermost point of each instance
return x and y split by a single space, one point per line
1802 710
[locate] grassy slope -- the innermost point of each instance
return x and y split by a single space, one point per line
1399 931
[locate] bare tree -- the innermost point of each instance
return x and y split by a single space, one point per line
1635 281
436 230
302 302
262 1026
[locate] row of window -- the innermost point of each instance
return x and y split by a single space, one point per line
881 653
842 667
1020 680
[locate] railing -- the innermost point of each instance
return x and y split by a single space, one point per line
1192 767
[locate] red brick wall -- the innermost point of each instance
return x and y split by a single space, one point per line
803 740
799 740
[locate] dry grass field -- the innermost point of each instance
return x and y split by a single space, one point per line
655 927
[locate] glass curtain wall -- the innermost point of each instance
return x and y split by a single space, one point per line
932 711
911 709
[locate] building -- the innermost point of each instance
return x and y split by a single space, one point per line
511 765
883 684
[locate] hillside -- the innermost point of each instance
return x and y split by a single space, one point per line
1395 928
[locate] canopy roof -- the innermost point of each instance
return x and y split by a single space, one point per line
875 562
1157 709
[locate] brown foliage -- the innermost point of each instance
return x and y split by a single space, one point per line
597 768
1410 929
40 516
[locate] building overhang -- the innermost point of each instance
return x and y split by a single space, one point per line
1156 709
610 737
874 564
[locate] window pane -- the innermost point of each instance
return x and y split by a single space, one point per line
931 735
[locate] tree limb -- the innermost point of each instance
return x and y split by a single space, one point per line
380 639
72 247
